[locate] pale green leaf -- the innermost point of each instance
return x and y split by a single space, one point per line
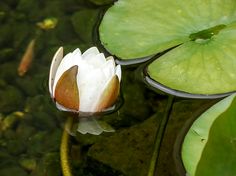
209 146
137 28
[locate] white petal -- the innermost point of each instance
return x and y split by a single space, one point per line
53 68
109 72
77 55
91 51
92 83
118 72
109 69
83 71
90 87
110 57
77 52
95 60
67 62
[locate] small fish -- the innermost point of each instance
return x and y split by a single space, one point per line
26 59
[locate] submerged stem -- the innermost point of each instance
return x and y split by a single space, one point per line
64 149
159 136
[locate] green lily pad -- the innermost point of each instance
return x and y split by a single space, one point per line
202 32
136 28
203 66
209 146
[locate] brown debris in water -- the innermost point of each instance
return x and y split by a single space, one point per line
26 59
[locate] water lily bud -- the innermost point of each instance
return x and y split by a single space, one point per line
86 82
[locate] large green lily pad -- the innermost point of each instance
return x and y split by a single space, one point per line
201 66
136 28
204 31
209 146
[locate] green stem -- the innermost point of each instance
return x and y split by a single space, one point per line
159 136
64 149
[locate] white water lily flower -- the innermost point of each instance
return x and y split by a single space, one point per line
86 82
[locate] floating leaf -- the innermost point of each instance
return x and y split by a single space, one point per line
209 146
200 66
136 28
202 32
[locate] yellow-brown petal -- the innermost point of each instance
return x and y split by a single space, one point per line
66 92
109 95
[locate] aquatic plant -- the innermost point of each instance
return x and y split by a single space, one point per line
195 41
176 51
84 83
209 145
191 48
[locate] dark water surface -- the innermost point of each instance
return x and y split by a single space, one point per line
31 126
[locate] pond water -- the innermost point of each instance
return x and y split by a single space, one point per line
31 127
